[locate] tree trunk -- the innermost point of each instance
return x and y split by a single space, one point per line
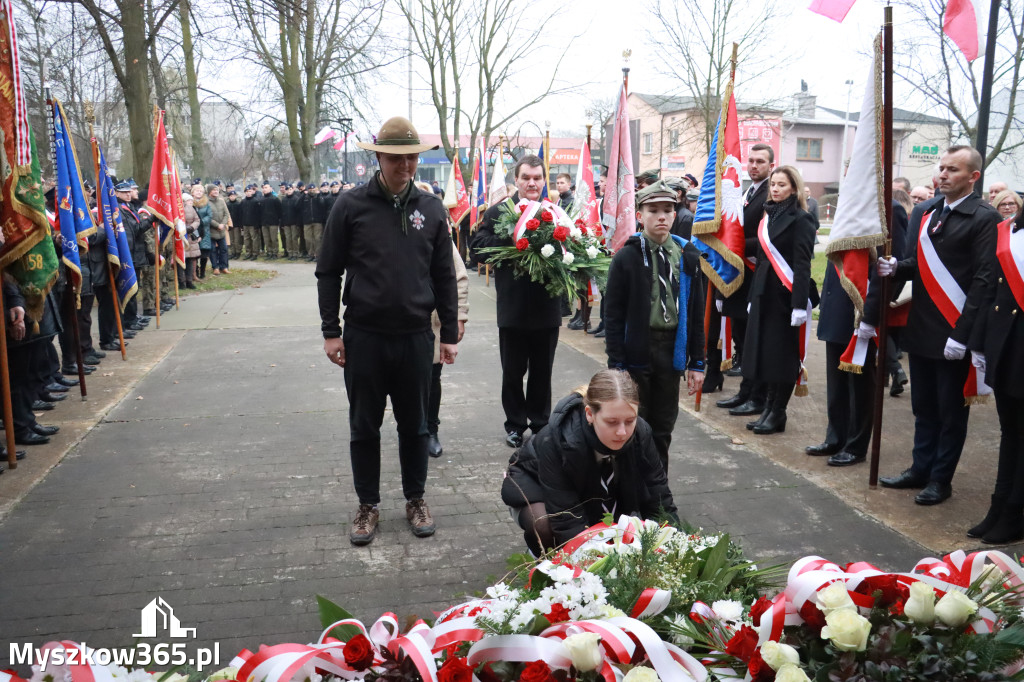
136 89
198 165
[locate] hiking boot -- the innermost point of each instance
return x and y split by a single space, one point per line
364 525
419 518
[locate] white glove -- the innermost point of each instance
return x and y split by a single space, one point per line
886 266
978 360
748 309
866 331
954 350
718 305
798 317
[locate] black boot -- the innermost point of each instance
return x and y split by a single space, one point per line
994 511
769 399
577 321
1009 527
776 421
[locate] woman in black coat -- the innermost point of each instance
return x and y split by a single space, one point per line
779 296
594 457
997 348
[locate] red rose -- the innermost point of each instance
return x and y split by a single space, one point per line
523 244
812 615
558 614
891 589
758 669
358 653
560 233
522 208
547 217
896 608
743 644
580 224
455 670
532 224
757 610
538 671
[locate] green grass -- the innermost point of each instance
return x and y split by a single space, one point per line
237 279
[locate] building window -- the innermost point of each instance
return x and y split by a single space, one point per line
808 149
673 140
648 143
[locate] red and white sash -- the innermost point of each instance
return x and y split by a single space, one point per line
1010 251
785 274
725 342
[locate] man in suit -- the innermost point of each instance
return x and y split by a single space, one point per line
950 242
751 397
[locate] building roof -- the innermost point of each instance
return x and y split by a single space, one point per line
898 115
667 104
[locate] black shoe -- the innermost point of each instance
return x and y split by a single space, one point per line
64 381
514 439
845 459
822 450
56 388
97 353
759 421
144 320
73 370
905 480
135 327
734 401
995 510
934 493
1009 527
774 423
434 448
41 405
599 329
748 408
576 323
52 397
149 312
190 285
713 383
91 359
31 438
899 380
128 334
45 430
112 346
734 371
600 334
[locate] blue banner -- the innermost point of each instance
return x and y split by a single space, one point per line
119 253
706 199
544 189
72 210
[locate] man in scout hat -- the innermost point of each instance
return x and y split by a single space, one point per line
392 242
654 316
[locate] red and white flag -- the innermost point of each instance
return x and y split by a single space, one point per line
341 143
966 24
164 198
586 203
325 134
456 198
833 9
619 216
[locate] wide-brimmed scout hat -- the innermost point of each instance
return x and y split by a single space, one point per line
397 136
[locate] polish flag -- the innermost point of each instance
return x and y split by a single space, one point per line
456 199
966 24
325 134
833 9
341 143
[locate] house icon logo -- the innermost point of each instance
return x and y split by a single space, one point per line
158 615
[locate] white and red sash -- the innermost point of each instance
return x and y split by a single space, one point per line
785 274
725 343
1010 251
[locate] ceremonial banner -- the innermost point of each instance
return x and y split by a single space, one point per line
966 24
619 214
479 187
718 223
498 192
164 198
179 234
27 254
341 143
74 218
585 205
833 9
456 199
859 225
118 252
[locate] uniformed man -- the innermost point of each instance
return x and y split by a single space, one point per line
250 215
270 220
235 233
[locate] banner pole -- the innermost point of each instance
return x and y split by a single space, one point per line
710 298
586 296
5 380
156 270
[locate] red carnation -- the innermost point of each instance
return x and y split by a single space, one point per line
522 208
743 644
558 614
358 653
547 217
523 244
538 671
758 609
580 224
560 233
455 670
532 224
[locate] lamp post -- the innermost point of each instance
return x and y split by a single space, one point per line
846 128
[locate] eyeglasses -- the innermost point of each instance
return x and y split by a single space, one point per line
1008 204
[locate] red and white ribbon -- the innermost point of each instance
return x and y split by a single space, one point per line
1010 251
22 142
779 264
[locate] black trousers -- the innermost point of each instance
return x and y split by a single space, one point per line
659 391
107 319
85 323
526 351
21 362
131 312
379 366
434 400
850 400
714 353
940 415
1010 472
892 350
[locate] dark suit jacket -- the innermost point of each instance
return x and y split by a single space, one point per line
965 245
753 210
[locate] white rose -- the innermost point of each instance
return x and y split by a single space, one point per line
641 674
776 655
848 630
584 651
835 597
955 608
920 606
547 250
727 609
592 252
791 673
568 258
224 674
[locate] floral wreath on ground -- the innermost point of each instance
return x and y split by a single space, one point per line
641 602
549 247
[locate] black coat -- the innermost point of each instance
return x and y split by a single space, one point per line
558 467
322 206
291 209
772 346
250 212
682 226
999 332
753 210
235 210
271 211
522 303
965 244
627 309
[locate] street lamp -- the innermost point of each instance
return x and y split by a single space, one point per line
846 127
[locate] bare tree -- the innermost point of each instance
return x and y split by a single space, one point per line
698 48
933 66
316 52
473 52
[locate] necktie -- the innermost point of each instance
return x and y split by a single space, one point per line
608 505
750 193
937 222
665 279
